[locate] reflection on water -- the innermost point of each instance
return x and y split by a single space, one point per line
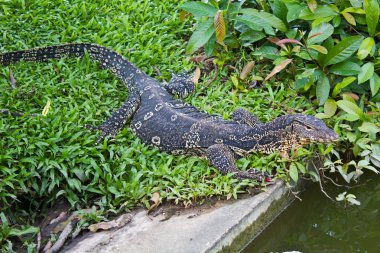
318 225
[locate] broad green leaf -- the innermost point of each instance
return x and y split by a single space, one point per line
250 36
349 117
372 12
365 47
322 11
293 172
200 36
268 18
342 50
255 23
279 9
356 3
294 10
369 127
346 68
345 82
330 107
349 18
199 9
319 48
354 10
350 108
319 33
366 73
312 5
374 84
322 89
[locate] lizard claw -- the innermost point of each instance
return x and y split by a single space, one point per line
105 132
255 175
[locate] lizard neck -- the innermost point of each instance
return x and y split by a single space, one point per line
266 138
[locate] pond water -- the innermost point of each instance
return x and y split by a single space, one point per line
319 225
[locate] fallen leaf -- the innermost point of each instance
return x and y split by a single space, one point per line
13 80
246 70
198 59
107 225
197 75
155 199
278 68
46 109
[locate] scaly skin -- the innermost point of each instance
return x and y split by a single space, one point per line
159 119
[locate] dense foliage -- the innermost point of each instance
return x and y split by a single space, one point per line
330 50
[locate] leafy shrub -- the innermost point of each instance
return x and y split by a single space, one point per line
330 51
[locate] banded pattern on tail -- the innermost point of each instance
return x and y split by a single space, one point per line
109 59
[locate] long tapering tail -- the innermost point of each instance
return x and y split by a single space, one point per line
109 59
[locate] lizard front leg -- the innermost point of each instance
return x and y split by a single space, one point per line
118 119
242 116
180 85
222 157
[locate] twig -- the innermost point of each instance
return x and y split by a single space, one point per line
320 182
158 72
212 79
63 237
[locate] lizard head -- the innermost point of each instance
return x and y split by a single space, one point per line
307 129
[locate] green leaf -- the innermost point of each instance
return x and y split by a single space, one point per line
374 84
322 11
27 230
201 35
294 10
330 107
366 73
342 50
250 36
372 12
365 47
322 88
267 18
346 68
346 81
320 33
319 48
293 172
199 9
369 127
350 108
356 3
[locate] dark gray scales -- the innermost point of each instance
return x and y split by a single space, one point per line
159 119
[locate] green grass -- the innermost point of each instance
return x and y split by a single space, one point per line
43 159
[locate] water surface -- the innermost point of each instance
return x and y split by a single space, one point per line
319 225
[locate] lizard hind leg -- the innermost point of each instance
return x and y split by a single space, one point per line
222 157
118 119
180 85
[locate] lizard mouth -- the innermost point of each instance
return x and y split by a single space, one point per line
326 139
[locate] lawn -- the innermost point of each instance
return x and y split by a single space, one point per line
47 158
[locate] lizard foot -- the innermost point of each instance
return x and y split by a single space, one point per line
106 132
254 174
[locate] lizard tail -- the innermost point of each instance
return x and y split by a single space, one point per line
108 59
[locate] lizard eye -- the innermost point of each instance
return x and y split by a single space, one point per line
308 128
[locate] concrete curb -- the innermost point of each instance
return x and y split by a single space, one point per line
225 229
